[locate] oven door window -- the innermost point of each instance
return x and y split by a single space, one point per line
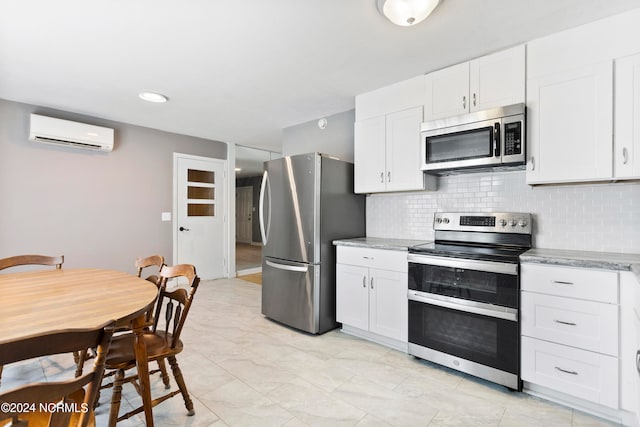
464 145
486 340
490 288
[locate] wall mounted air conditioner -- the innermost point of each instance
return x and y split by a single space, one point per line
71 134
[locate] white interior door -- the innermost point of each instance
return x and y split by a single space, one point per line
199 212
244 214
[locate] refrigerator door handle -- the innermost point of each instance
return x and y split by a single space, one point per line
264 232
301 269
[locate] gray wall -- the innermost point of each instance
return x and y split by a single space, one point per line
335 140
96 209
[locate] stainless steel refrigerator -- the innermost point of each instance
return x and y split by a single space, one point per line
306 202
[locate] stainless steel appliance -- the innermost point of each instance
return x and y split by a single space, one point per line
306 201
464 294
486 139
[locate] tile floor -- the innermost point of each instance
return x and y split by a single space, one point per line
244 370
248 256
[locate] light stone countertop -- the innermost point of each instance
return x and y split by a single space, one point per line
380 243
585 259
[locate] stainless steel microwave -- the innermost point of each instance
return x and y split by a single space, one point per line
484 139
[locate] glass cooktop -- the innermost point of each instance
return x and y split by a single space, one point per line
466 251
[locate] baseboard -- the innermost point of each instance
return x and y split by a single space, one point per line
249 271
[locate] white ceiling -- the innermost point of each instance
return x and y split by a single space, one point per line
240 71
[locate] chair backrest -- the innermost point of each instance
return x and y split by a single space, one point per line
15 261
150 261
51 393
178 301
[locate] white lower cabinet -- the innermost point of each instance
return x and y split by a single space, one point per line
371 294
570 333
630 346
584 374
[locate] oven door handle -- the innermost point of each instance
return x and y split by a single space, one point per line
483 309
465 264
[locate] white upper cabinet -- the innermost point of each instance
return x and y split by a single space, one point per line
369 153
447 92
387 139
570 125
626 146
403 150
490 81
572 108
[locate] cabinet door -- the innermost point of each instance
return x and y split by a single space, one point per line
570 125
447 92
403 150
388 303
629 342
626 151
497 80
369 155
352 295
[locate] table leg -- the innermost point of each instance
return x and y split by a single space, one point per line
143 368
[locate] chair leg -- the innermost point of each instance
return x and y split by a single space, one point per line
79 357
177 374
163 374
115 397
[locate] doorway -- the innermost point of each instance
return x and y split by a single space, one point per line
249 163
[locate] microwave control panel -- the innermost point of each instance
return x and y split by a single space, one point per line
513 138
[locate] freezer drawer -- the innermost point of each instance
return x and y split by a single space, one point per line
291 293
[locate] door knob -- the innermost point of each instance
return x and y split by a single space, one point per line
183 229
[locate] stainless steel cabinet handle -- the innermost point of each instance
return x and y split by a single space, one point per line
532 160
474 99
372 283
638 361
566 372
562 322
561 282
388 176
367 257
625 156
464 102
381 177
364 281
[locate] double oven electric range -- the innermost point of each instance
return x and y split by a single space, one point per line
464 294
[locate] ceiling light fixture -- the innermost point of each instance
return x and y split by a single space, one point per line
407 12
153 97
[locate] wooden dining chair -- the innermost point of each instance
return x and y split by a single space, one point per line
60 403
162 341
141 264
18 260
156 261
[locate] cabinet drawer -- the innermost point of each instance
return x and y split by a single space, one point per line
580 373
584 324
376 258
582 283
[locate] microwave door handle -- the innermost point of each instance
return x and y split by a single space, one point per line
496 140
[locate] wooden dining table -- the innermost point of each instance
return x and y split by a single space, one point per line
38 301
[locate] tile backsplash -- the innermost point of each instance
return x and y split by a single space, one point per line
593 217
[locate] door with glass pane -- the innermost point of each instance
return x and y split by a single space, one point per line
199 214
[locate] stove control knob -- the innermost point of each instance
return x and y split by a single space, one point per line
445 220
438 220
512 222
523 223
503 222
